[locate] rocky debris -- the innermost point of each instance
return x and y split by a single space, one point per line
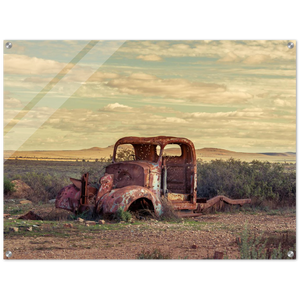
29 228
218 255
25 202
30 216
68 225
22 190
6 215
90 222
194 246
87 225
14 229
52 201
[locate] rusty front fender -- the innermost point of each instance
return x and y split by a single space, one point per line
125 196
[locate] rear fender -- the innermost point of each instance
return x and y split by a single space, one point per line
73 198
68 198
125 196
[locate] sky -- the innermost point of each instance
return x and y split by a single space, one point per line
68 95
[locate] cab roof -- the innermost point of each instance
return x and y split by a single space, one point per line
162 141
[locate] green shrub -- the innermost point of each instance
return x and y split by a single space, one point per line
9 187
260 181
122 215
124 154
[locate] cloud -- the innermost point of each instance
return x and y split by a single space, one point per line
175 120
12 103
240 114
116 107
142 76
149 85
229 130
151 57
215 49
285 103
101 76
230 58
23 64
256 59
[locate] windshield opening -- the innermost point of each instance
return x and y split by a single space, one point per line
125 152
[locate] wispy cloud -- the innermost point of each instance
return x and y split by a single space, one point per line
23 64
151 57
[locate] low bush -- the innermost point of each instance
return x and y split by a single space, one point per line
122 215
261 181
44 186
9 187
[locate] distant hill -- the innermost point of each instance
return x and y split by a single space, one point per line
93 149
205 154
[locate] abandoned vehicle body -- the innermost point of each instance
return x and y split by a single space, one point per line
143 181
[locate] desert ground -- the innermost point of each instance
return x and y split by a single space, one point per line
61 236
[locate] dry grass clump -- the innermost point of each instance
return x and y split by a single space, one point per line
154 254
168 211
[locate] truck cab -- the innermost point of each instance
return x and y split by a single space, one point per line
171 176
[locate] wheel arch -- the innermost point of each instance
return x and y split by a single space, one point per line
126 196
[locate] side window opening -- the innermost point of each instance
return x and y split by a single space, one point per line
172 150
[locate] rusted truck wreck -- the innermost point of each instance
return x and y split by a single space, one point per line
143 181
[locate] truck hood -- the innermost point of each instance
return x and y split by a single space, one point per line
129 173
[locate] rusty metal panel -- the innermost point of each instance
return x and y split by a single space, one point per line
178 197
187 146
73 196
68 198
154 183
221 199
106 186
125 196
126 173
84 200
146 152
182 205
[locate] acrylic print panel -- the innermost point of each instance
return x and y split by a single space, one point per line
72 94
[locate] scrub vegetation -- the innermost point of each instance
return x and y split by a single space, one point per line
269 185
